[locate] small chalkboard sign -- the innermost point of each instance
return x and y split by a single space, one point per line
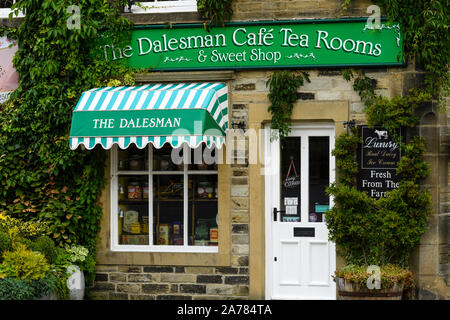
378 157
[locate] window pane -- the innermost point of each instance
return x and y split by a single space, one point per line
203 158
290 180
6 3
168 209
133 159
319 177
202 210
166 160
133 210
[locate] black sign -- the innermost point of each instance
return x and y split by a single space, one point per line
378 157
304 232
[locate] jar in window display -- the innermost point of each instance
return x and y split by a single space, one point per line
134 190
145 191
164 164
205 190
135 163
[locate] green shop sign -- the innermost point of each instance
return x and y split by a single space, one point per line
302 43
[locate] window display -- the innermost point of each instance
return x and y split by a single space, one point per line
168 204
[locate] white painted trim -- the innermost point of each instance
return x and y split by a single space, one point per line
4 13
161 6
272 196
269 180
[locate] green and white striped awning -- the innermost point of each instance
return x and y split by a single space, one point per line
191 113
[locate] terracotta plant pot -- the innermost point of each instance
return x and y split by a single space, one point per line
351 291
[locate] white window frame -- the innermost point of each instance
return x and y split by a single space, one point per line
114 223
164 6
4 12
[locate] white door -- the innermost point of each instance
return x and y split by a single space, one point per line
299 258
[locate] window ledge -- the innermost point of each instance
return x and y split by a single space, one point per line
181 76
174 17
166 258
165 249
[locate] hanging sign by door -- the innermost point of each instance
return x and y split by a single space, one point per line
378 158
291 181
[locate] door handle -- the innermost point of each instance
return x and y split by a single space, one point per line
275 213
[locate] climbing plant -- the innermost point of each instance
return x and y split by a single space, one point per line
425 30
40 177
215 11
283 86
385 230
378 231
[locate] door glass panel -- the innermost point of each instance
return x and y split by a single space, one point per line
290 180
319 177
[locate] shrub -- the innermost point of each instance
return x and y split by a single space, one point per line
389 275
5 244
46 246
378 231
23 263
77 253
26 229
14 289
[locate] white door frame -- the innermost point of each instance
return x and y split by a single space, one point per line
270 166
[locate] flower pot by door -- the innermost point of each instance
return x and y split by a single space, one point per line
351 291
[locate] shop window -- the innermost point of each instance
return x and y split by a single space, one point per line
164 200
7 3
161 6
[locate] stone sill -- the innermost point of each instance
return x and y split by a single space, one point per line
158 18
182 76
136 18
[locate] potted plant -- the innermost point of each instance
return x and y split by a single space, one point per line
377 234
71 260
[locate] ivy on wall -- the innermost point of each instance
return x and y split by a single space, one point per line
381 231
40 177
425 31
215 11
283 86
386 230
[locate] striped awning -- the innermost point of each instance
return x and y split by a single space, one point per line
191 113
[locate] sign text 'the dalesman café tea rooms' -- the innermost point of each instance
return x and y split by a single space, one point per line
248 45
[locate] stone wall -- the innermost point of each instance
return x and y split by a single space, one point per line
170 283
247 10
